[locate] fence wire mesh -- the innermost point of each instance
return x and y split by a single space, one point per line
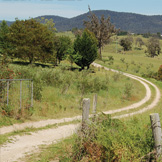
17 93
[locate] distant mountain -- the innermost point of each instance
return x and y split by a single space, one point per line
131 22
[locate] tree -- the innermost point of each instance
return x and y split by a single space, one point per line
126 43
62 44
85 49
31 41
153 47
4 30
47 22
139 42
102 28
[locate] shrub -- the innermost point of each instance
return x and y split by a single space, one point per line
126 43
160 73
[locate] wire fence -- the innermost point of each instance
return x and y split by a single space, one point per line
17 93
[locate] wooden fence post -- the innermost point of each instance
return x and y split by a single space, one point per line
94 103
85 113
156 129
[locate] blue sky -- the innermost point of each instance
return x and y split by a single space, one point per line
24 9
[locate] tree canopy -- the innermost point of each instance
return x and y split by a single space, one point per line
31 41
62 43
85 49
126 43
4 30
102 29
153 47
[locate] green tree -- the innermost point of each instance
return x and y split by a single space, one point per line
102 28
62 44
126 43
85 49
153 47
139 42
4 30
31 41
47 22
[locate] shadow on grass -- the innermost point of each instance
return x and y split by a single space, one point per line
27 63
44 65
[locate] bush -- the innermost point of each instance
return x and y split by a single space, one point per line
160 73
89 84
126 43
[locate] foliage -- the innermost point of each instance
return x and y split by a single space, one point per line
4 30
139 42
85 49
160 73
62 44
108 139
110 60
102 29
47 22
126 43
91 85
153 47
31 41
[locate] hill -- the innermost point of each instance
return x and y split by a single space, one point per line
131 22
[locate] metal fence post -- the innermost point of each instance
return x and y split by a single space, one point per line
7 92
32 93
20 93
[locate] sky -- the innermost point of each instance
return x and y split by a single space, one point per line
25 9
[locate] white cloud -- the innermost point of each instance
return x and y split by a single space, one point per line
23 10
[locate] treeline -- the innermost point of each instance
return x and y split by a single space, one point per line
33 41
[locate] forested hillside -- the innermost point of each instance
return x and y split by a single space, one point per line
130 22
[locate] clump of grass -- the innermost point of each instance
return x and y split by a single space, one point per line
113 140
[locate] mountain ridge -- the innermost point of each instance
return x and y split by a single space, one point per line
126 21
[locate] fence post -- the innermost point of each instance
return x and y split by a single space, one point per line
156 129
85 112
7 92
32 93
20 93
94 103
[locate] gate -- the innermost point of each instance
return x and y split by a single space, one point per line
16 92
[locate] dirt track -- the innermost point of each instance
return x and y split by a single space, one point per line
28 143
